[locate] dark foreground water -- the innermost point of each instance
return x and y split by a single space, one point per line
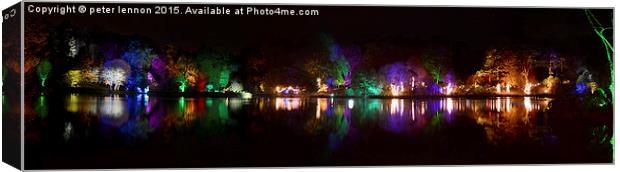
85 131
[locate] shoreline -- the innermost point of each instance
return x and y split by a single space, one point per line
239 95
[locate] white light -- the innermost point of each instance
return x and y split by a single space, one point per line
498 88
412 83
498 104
288 104
449 105
351 103
114 77
508 104
246 95
394 106
508 88
413 110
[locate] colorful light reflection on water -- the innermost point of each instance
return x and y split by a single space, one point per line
332 123
115 110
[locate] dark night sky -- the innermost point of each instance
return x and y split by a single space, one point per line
473 29
360 23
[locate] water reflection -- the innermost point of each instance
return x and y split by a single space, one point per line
288 104
143 116
112 106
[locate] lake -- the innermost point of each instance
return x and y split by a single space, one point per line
140 131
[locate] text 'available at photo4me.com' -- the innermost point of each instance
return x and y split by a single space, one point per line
153 9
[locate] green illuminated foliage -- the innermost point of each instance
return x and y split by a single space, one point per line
434 63
182 81
209 87
599 29
339 71
217 67
43 70
41 107
366 83
349 92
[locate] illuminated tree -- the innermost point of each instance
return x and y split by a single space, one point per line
114 77
90 75
182 81
353 56
334 63
73 77
599 29
175 68
366 83
139 57
501 66
340 71
115 73
187 76
29 63
528 65
317 67
73 47
159 72
583 79
35 42
434 62
396 73
43 70
217 67
183 71
236 87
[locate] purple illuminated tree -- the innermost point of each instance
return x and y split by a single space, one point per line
396 73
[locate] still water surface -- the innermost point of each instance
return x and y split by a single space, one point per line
86 131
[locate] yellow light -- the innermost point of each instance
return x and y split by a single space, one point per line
449 89
508 87
394 90
449 105
528 88
528 104
322 87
